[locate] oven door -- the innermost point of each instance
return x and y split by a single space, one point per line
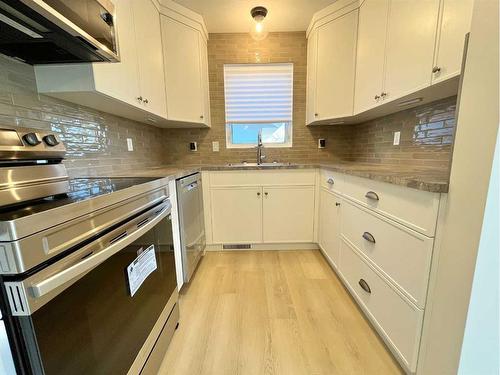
94 311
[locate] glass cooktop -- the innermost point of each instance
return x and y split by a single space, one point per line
80 189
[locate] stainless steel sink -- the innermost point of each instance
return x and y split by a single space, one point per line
244 164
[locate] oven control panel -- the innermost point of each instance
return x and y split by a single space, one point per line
18 144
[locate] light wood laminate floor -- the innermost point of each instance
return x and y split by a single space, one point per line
272 312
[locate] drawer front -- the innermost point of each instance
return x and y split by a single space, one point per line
272 177
396 319
332 181
414 208
401 254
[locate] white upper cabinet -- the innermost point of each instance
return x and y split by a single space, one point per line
370 54
150 61
312 50
108 76
455 18
335 67
137 87
411 36
186 72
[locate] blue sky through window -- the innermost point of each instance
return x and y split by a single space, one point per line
247 133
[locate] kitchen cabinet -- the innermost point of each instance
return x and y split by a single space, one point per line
288 214
312 50
329 225
150 59
332 88
136 87
370 54
186 72
236 214
455 18
411 34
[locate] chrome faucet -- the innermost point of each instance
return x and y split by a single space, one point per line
260 147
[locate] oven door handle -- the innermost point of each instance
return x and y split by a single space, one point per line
57 280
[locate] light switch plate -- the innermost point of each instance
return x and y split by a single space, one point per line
130 144
397 138
215 146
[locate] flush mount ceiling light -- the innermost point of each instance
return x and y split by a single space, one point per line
259 30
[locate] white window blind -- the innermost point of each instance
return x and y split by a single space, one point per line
258 93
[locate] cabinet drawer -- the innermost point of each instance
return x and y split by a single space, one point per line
396 319
271 177
414 208
332 181
401 254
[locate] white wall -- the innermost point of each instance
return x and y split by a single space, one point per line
454 264
481 346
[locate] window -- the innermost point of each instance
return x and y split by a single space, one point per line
259 98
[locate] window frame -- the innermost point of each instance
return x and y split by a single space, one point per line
288 127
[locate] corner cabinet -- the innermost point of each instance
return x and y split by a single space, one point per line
333 53
137 86
404 49
186 72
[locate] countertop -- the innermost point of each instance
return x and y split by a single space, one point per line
426 179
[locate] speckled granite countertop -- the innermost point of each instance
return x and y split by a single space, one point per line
433 180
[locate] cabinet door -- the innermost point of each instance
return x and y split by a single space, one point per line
410 46
149 49
329 225
455 18
312 50
237 215
181 50
204 80
288 214
121 80
336 67
370 54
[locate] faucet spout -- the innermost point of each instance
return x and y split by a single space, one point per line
260 147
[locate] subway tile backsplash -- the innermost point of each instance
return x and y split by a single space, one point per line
96 141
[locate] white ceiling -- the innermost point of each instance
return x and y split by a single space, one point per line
233 16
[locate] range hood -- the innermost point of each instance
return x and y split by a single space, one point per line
58 31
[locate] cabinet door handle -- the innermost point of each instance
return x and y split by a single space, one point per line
201 117
266 193
364 285
369 237
372 195
139 98
330 181
337 204
258 193
383 95
436 69
146 101
316 115
376 97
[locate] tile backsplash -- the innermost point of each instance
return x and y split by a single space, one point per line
96 141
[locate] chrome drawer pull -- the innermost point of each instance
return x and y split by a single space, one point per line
330 181
372 195
369 237
363 284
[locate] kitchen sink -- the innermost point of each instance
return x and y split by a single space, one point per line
245 164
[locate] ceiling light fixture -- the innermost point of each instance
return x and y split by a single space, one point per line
259 30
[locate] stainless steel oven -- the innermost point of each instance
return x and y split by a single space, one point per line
102 308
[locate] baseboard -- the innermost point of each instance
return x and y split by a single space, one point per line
267 247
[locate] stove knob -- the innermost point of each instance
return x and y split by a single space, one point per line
31 139
51 140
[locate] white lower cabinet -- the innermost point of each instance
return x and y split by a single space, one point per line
288 214
236 215
329 225
399 321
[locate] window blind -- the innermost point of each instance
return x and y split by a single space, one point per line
258 93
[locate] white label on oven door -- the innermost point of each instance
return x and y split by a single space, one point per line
141 268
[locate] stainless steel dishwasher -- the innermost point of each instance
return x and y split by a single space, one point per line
192 223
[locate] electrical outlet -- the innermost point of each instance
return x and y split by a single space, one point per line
397 138
215 146
130 144
193 146
321 143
